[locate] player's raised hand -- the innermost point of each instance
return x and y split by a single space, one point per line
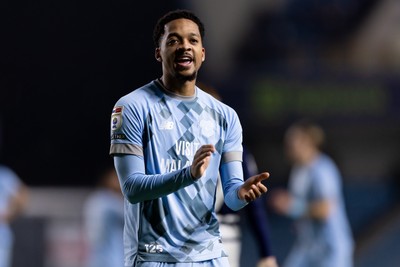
201 160
253 187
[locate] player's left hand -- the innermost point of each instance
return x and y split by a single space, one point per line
253 187
280 200
267 262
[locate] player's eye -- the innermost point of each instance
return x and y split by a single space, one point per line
172 41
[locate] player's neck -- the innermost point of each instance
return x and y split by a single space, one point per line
182 88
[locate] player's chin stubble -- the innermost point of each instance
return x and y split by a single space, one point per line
186 78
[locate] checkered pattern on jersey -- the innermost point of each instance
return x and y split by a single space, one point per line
189 110
192 198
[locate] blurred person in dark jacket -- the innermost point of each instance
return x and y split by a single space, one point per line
230 228
255 211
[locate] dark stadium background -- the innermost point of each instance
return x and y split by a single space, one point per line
64 64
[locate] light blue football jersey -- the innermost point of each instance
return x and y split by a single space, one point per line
166 130
103 215
320 243
9 186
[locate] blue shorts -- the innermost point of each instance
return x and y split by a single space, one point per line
219 262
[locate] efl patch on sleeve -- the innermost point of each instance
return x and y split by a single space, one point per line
116 118
117 110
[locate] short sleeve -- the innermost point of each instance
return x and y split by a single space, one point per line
126 128
326 181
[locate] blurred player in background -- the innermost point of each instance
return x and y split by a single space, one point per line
103 214
13 199
315 201
170 140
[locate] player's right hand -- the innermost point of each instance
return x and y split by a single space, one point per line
201 160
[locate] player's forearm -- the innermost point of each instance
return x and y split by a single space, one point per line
232 199
317 209
138 186
320 209
232 179
16 205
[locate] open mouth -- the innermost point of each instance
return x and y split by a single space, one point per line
184 61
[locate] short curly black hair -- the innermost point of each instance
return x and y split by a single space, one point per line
173 15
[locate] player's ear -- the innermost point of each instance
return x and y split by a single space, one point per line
204 55
157 54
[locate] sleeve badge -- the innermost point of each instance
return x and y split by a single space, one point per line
116 118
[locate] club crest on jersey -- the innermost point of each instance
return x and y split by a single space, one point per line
116 118
166 125
207 128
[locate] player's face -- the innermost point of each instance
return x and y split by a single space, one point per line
294 144
181 50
